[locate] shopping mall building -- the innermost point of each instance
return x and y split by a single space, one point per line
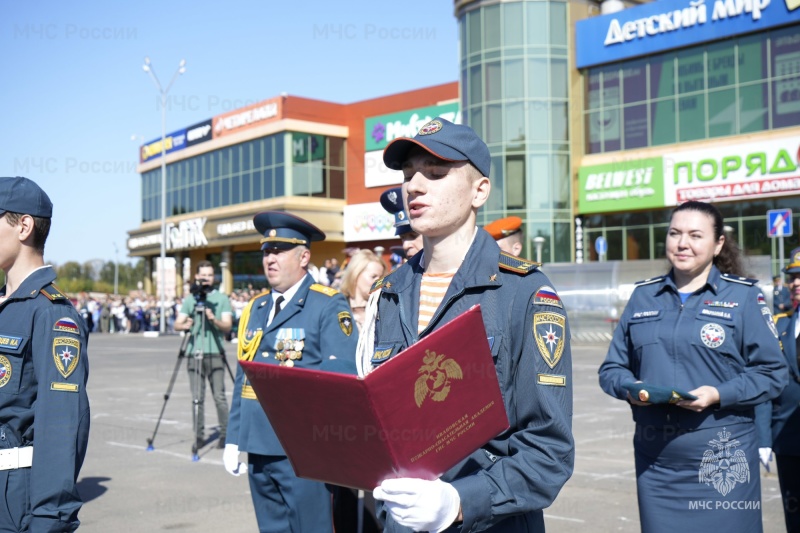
598 124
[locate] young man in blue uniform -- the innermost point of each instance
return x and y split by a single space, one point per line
299 323
779 420
505 485
43 373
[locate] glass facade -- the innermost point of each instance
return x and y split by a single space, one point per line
730 87
642 235
514 94
284 164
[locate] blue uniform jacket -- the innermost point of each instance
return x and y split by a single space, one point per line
779 420
505 484
723 336
43 373
319 317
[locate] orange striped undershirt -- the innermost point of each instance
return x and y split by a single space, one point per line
431 293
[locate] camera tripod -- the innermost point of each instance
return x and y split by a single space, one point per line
198 357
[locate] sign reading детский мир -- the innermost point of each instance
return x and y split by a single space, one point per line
667 24
710 174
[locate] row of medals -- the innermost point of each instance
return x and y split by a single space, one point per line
288 351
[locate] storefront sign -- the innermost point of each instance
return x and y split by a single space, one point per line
367 222
307 147
186 234
753 170
248 117
237 227
718 174
198 133
621 186
659 26
380 131
172 142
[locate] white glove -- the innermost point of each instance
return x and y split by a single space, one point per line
230 458
765 454
419 504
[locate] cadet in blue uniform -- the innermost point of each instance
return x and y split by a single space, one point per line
505 485
700 332
779 420
781 299
392 202
298 324
43 373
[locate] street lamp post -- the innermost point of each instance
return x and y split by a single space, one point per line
163 92
116 269
539 242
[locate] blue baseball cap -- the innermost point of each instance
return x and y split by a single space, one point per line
392 202
283 231
23 196
445 140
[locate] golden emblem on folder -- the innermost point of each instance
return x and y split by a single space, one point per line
435 376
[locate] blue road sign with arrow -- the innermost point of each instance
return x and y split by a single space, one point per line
779 223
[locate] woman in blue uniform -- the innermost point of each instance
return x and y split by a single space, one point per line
694 352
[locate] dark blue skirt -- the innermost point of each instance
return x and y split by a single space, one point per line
701 480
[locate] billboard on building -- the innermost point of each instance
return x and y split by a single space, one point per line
668 24
247 117
199 133
380 131
367 222
732 172
172 143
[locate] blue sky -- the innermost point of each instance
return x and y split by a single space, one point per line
74 92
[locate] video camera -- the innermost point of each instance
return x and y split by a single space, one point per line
200 290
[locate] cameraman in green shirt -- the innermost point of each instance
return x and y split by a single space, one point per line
206 314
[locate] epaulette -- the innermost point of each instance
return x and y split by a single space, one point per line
324 289
787 314
517 264
649 281
53 293
739 279
377 285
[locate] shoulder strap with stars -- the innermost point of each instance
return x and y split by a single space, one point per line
324 289
739 279
649 281
52 293
516 264
377 285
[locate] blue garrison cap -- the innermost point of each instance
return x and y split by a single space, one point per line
445 140
392 201
283 231
21 195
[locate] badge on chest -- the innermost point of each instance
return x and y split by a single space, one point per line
289 345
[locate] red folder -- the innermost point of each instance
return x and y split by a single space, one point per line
417 415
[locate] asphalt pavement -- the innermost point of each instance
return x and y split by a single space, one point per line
130 489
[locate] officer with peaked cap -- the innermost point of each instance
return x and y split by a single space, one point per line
298 323
508 234
43 373
778 421
392 202
505 485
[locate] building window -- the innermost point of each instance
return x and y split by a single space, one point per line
736 86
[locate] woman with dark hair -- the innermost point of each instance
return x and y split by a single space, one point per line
695 351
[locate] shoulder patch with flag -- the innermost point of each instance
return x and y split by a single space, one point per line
547 296
68 325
